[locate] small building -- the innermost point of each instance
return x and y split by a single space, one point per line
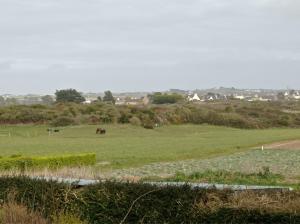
196 97
239 97
296 95
87 102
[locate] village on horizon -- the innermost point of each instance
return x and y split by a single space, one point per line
199 95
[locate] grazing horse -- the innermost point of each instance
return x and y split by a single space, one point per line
101 131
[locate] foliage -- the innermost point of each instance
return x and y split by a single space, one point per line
69 95
67 219
108 97
112 202
2 101
246 115
265 177
47 100
135 121
25 163
159 98
63 121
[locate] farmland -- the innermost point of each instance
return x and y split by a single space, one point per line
127 146
130 152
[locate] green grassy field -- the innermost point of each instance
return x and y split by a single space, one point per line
129 146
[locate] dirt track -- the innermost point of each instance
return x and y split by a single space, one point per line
285 145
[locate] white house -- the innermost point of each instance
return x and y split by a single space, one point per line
296 95
194 98
241 97
87 102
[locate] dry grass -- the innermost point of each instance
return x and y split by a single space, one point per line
249 200
275 203
12 213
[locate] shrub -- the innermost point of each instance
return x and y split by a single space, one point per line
159 98
111 202
148 125
135 121
63 121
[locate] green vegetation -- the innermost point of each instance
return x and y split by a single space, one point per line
108 97
69 95
111 202
159 98
131 146
246 115
264 177
63 121
18 162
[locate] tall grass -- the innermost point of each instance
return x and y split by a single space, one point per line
13 213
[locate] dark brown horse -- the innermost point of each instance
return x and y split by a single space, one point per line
101 131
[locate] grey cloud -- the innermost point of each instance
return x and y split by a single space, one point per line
214 42
6 65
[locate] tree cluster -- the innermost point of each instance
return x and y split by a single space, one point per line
159 98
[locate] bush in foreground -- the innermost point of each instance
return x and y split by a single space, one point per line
112 202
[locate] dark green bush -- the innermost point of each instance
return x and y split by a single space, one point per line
111 202
159 98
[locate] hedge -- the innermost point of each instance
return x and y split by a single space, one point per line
24 163
112 202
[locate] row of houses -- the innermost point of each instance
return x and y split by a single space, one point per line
293 94
288 95
206 97
143 99
195 97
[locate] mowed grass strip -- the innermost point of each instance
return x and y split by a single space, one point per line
127 146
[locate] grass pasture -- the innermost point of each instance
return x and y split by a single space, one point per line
127 146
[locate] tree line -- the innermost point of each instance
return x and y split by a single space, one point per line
61 96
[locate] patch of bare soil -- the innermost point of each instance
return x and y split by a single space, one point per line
295 144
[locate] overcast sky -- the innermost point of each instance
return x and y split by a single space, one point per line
132 45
